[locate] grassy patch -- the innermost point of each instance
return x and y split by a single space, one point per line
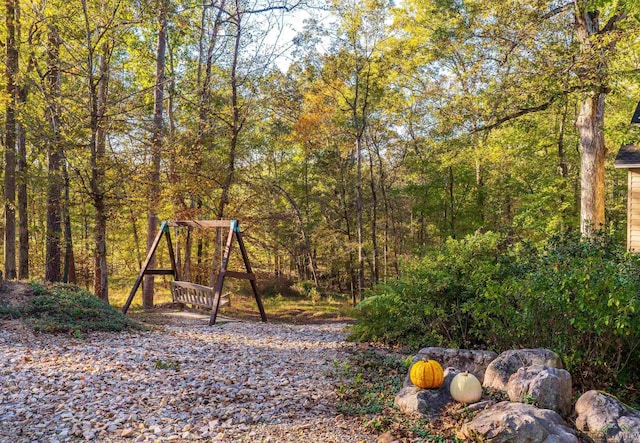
9 312
369 382
62 308
118 295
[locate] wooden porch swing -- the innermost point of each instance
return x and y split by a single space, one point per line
190 293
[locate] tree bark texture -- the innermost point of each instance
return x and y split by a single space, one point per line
597 46
100 281
590 123
237 122
69 271
22 175
10 142
156 150
54 154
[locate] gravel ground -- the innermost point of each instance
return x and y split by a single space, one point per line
234 382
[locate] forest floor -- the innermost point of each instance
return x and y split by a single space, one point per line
178 380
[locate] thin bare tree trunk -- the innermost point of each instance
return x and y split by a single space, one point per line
359 210
100 282
54 154
374 222
22 176
69 272
452 220
11 74
305 238
237 121
156 148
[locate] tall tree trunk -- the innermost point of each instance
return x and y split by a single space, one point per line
98 85
374 222
359 210
156 148
54 154
305 239
69 272
387 210
237 122
593 150
452 219
10 142
100 282
562 156
23 214
22 176
597 45
346 216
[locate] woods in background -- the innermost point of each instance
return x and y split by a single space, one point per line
393 128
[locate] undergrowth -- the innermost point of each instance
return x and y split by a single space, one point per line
369 382
579 297
61 308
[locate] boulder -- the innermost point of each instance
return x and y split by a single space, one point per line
507 363
473 361
508 422
428 402
606 420
547 388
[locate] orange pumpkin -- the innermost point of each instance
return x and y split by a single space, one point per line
427 374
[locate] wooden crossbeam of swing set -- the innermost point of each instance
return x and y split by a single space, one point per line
205 296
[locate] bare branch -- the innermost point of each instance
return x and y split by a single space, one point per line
525 111
558 10
611 23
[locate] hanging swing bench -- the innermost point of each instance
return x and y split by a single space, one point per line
187 293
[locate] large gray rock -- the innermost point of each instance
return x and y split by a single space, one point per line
606 420
548 388
508 422
428 402
475 362
506 364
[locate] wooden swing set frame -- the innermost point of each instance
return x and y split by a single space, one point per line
190 293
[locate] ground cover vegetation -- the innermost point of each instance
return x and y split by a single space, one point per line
61 308
576 296
369 381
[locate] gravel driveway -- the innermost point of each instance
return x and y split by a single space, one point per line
234 382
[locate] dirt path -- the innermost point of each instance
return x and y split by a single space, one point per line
180 381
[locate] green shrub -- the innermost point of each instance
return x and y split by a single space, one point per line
576 296
68 308
580 298
427 305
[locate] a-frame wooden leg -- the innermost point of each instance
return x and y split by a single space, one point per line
220 280
247 265
163 229
172 256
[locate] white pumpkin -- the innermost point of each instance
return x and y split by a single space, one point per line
466 388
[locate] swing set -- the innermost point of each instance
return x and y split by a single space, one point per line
185 292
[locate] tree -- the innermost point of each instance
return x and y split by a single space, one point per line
526 62
598 43
10 142
22 170
156 144
54 157
354 65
